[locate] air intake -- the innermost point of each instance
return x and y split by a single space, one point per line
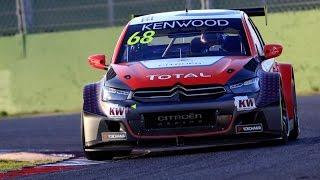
110 74
180 93
251 65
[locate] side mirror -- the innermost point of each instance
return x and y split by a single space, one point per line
272 50
98 61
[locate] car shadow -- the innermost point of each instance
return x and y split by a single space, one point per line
203 150
299 141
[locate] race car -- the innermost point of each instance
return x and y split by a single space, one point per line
188 79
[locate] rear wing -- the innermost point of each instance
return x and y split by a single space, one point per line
248 11
263 11
252 12
137 15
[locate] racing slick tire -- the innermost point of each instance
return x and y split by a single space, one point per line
285 131
285 123
296 129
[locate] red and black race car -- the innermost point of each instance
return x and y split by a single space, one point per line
189 79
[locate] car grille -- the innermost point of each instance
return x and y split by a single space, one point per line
179 119
180 93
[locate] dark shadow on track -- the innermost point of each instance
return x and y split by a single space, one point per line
212 149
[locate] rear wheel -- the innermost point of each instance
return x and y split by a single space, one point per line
296 129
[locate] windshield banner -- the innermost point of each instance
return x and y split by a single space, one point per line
185 24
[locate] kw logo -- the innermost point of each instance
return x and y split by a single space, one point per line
117 111
244 103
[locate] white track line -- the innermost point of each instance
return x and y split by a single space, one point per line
37 151
76 162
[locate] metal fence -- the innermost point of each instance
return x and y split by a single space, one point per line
58 15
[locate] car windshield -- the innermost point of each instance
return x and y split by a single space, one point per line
183 38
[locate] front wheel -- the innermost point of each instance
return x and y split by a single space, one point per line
93 155
296 129
285 123
285 131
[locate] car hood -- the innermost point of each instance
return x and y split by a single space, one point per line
216 70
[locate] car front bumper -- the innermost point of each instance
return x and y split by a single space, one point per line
223 131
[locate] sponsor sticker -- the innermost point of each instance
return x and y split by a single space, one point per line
116 111
113 136
185 24
134 106
178 76
243 103
249 128
181 62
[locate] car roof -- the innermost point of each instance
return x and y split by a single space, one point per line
183 15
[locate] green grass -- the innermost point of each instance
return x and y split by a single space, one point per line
13 165
52 76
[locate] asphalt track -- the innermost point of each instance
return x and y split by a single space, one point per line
297 160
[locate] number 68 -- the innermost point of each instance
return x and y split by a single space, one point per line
146 38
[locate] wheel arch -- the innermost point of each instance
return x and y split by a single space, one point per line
287 76
91 93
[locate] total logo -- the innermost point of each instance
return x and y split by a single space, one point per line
178 76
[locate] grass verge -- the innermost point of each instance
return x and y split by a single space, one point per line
17 160
6 165
51 78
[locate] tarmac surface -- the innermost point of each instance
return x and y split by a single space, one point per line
298 159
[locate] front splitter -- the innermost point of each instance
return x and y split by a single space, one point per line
180 147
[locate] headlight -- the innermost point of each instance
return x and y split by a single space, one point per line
251 85
109 93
